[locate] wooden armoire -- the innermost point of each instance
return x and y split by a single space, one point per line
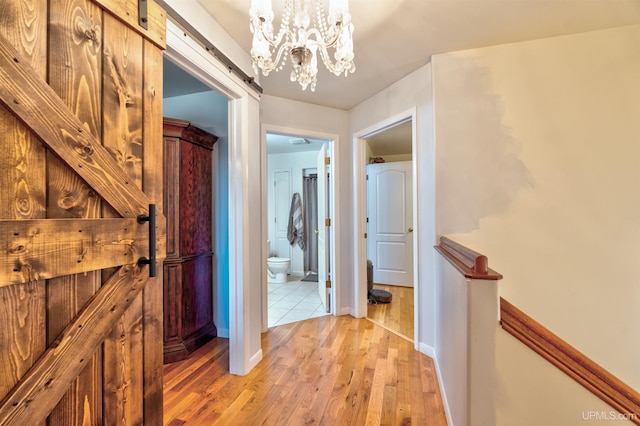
188 275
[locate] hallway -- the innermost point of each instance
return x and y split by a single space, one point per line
326 370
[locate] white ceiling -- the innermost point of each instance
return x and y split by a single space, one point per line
280 144
392 141
393 38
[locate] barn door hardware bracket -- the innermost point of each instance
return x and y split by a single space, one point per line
152 240
143 16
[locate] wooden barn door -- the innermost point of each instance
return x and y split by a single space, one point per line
80 160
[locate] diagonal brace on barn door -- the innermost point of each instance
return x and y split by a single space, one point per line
38 392
34 102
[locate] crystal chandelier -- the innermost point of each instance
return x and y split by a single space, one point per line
300 41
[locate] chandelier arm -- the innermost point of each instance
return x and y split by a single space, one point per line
286 47
324 54
324 43
275 41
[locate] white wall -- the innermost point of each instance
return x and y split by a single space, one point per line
538 164
206 110
413 91
294 163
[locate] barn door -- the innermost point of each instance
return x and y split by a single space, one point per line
80 161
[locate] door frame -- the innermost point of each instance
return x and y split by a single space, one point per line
334 264
190 55
360 219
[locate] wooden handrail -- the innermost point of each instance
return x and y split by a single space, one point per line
470 263
574 363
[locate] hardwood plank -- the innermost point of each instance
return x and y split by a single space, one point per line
39 249
374 411
364 374
41 388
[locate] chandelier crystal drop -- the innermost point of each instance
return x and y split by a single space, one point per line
302 41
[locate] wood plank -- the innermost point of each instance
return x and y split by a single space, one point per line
127 12
74 71
83 400
75 50
152 181
38 249
22 312
23 24
46 382
123 112
31 99
122 99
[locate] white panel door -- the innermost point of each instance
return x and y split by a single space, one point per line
390 226
323 231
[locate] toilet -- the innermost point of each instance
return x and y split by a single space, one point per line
277 267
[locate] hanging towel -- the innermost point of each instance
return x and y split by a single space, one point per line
295 230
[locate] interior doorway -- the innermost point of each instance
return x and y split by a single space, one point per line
297 166
389 250
187 98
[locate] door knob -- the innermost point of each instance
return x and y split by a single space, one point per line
410 229
316 231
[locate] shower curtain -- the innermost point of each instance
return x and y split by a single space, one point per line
310 203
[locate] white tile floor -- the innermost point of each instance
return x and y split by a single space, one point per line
293 301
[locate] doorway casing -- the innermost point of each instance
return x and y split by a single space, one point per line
360 219
244 341
333 203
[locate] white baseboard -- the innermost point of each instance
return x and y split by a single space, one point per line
427 350
255 359
443 391
347 311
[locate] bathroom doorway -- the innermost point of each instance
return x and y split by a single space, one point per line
292 187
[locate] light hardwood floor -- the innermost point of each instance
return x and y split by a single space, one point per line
326 371
396 316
